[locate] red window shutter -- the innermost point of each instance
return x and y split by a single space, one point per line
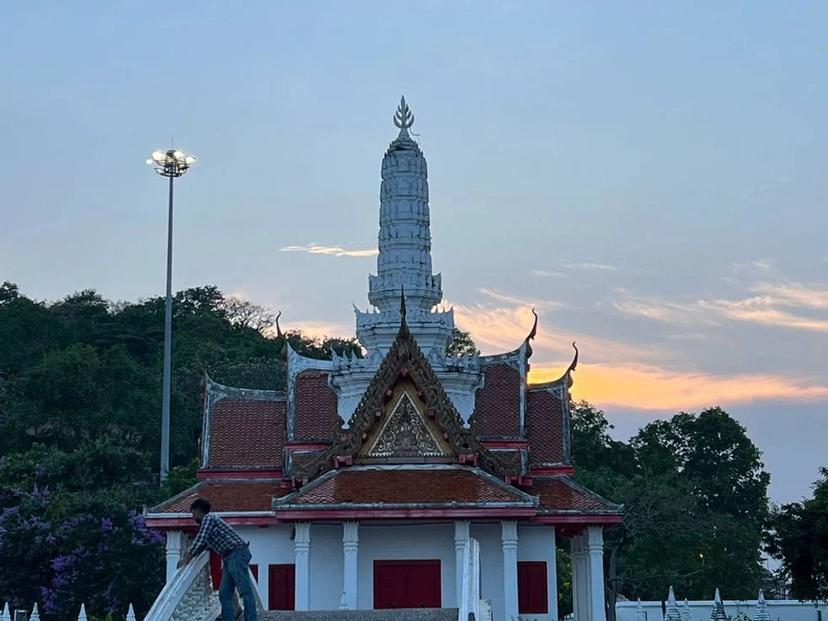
532 593
281 584
254 569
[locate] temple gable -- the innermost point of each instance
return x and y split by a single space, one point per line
405 433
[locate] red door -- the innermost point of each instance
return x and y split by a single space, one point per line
407 584
281 580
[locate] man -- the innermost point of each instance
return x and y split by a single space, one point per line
219 536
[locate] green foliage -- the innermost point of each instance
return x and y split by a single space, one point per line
323 348
461 343
80 392
695 502
799 538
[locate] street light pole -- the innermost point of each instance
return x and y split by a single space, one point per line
170 164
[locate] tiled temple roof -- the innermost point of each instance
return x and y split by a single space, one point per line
315 407
245 434
228 496
439 486
563 495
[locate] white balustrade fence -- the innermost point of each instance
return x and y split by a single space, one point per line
19 614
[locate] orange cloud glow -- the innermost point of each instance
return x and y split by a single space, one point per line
648 387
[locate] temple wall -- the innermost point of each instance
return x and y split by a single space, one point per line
535 543
273 545
415 542
269 546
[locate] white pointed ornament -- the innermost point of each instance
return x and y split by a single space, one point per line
5 615
82 615
718 613
35 613
685 611
640 615
673 612
762 609
130 614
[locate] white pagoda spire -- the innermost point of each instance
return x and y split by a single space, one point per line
761 609
673 612
718 613
404 236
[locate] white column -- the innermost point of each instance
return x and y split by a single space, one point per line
595 546
461 538
552 577
350 568
301 549
509 539
580 579
176 541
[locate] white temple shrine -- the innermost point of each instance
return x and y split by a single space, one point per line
407 479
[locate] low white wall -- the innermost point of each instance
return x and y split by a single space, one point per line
780 609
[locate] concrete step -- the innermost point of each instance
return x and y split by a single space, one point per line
397 614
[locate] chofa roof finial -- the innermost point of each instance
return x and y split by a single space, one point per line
279 334
534 331
403 118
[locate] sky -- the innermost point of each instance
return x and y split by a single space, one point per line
650 176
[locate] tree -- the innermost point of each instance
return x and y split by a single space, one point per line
799 538
79 382
695 501
248 315
461 344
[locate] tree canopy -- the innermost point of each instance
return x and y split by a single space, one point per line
695 501
799 537
80 386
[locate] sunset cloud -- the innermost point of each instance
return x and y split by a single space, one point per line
334 251
516 301
502 328
648 387
784 304
591 267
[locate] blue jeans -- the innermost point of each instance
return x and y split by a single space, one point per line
236 575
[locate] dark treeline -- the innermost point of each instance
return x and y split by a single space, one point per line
80 385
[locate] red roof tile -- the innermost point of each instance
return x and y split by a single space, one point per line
315 407
560 494
226 496
497 408
544 427
246 433
410 486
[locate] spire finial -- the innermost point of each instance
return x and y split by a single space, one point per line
403 312
403 118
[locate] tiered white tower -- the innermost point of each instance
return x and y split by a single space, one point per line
404 267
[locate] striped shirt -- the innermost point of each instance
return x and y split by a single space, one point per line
216 534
